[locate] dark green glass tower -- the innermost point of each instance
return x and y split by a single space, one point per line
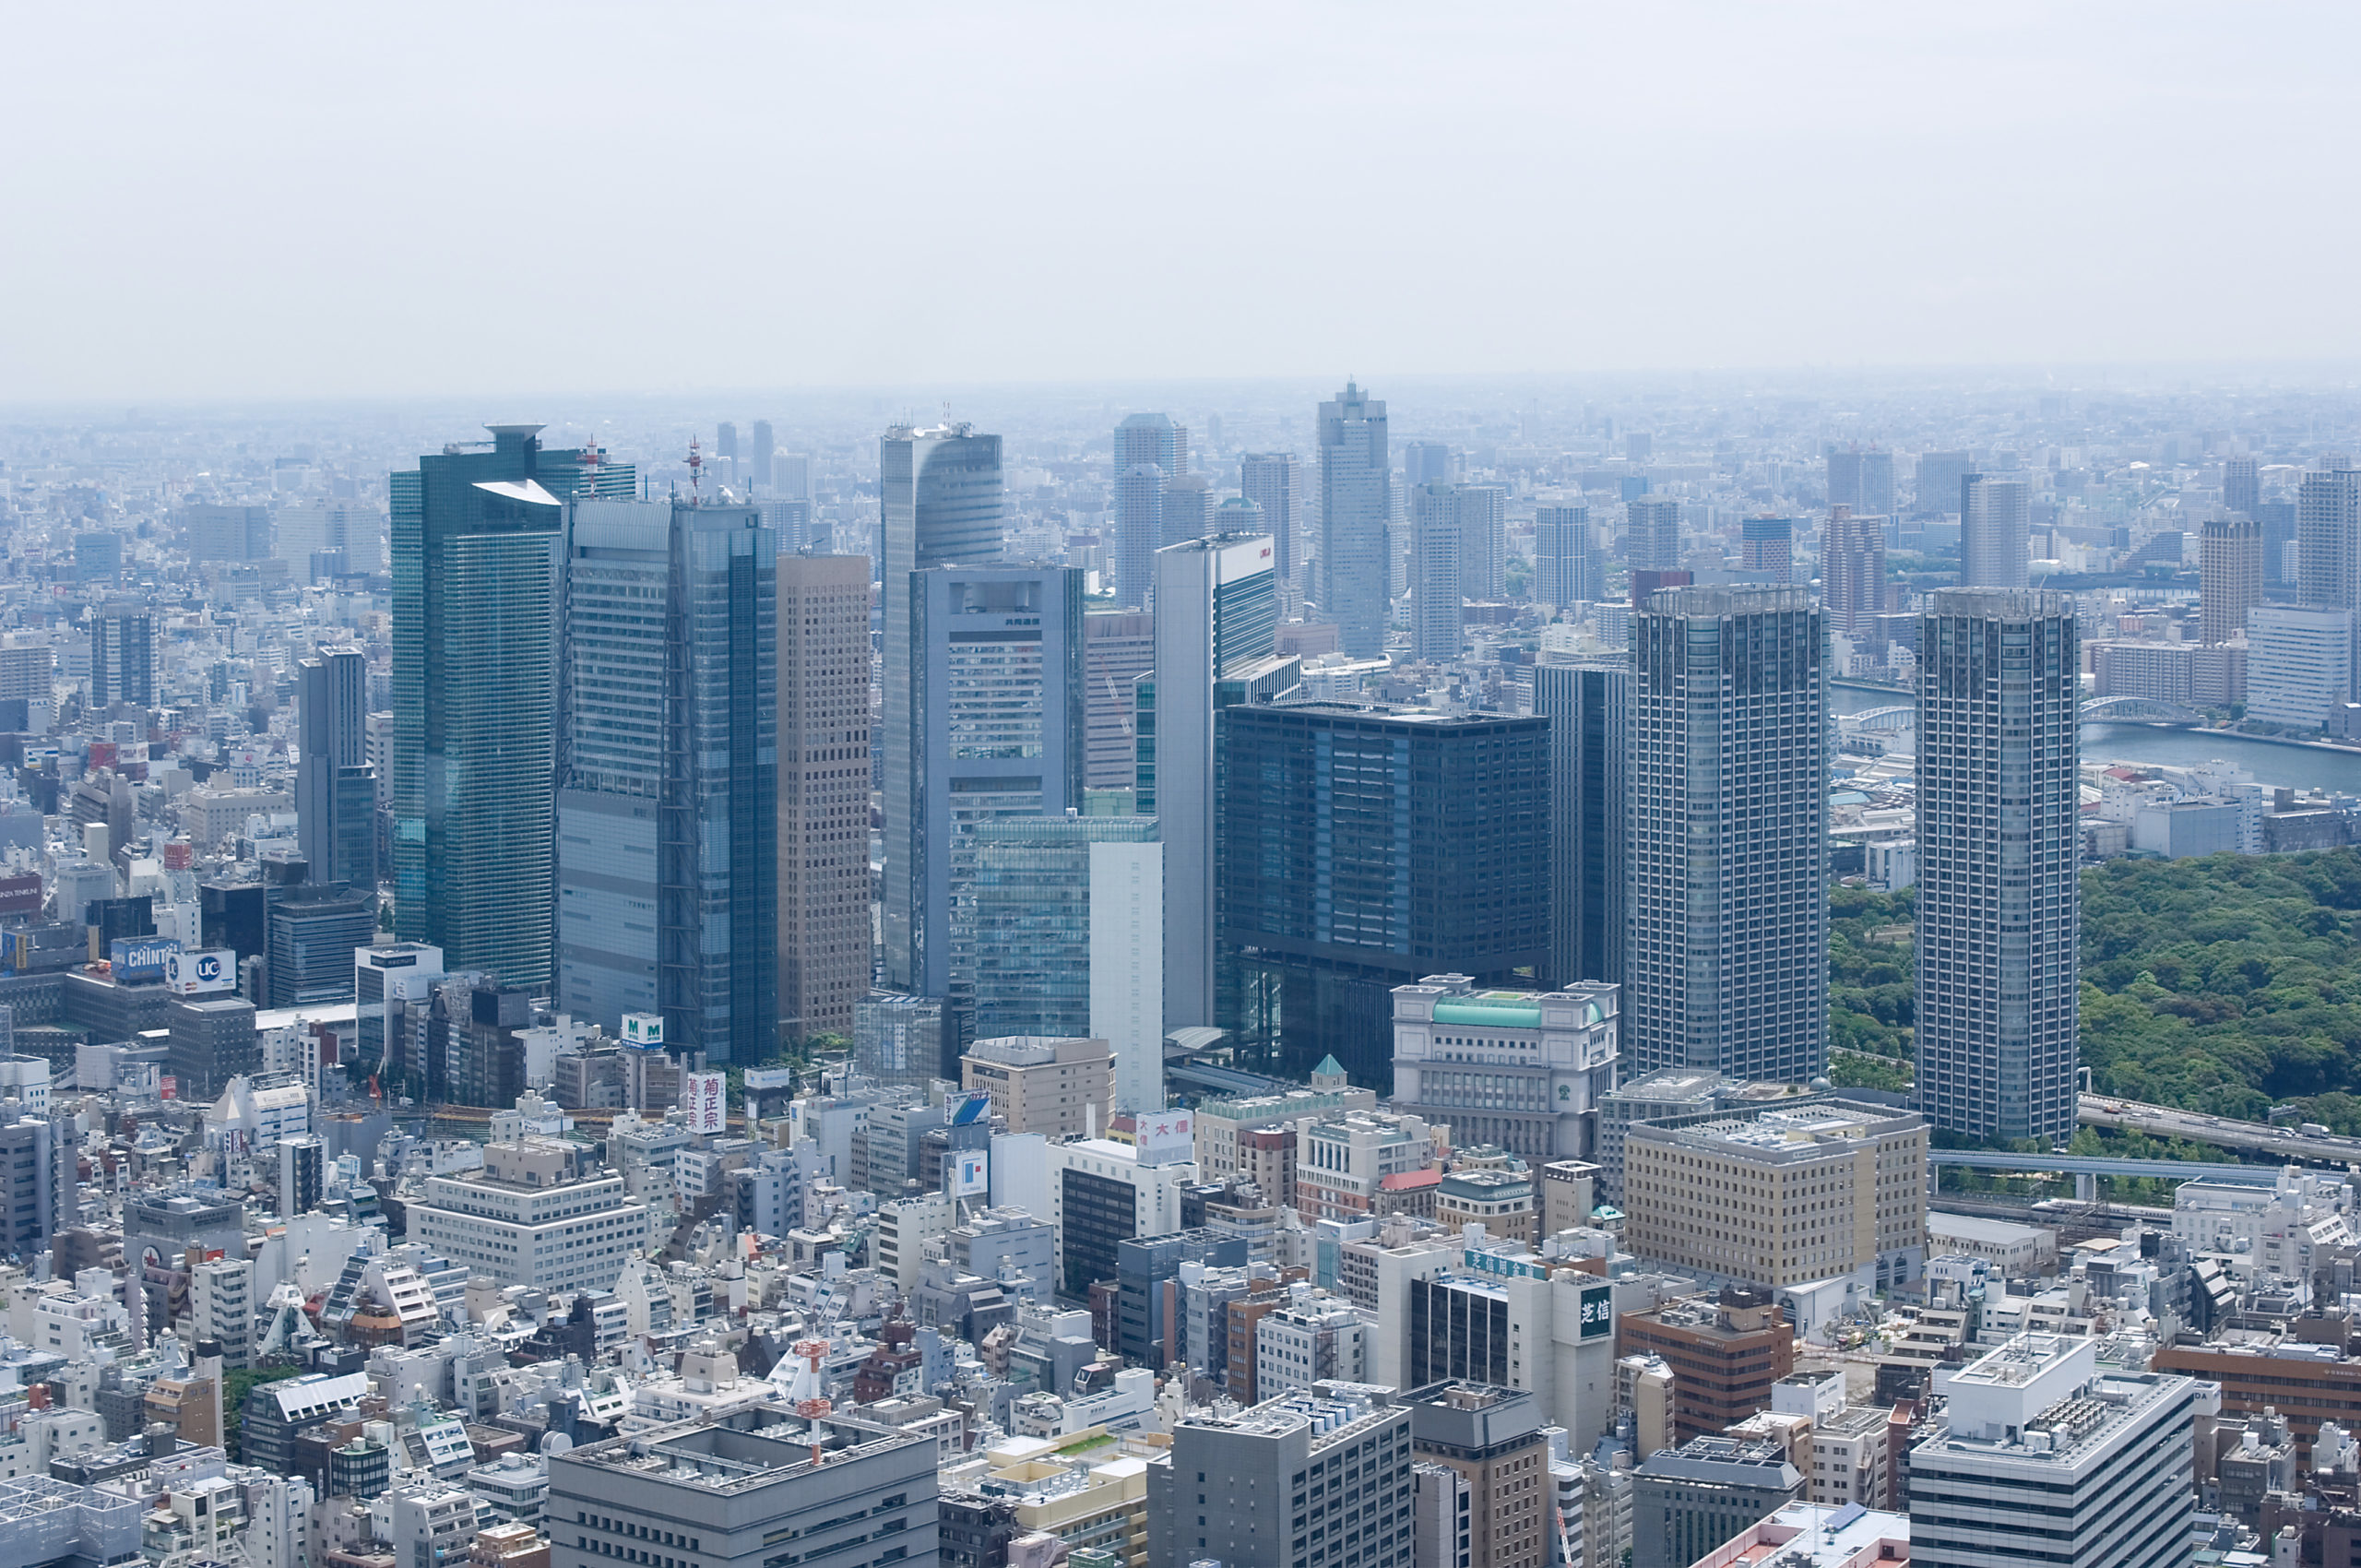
477 535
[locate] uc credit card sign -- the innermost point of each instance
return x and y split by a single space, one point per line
205 971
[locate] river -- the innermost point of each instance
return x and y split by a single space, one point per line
2288 767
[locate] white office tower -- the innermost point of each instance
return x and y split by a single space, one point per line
1217 621
1993 549
2046 1454
1566 563
2299 663
1999 901
1127 968
1437 608
1274 481
1483 540
1727 960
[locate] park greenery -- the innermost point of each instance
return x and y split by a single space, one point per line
2230 985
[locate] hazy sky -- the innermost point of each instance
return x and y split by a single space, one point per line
200 201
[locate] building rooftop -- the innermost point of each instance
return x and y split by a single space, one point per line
1802 1535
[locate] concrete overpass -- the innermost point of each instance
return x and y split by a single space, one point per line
2082 1165
2288 1146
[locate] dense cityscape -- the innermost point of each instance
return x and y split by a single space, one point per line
1547 787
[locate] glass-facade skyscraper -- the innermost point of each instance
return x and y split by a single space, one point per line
1727 966
940 505
1589 827
997 731
1999 890
1361 847
477 536
1028 912
668 805
336 789
1356 507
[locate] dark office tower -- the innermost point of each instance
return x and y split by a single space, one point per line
477 536
824 939
1274 481
1356 496
1427 462
315 927
759 454
336 789
1861 479
2242 486
1852 572
1360 847
1844 478
1118 647
218 532
1566 561
1483 512
1993 548
1437 609
1651 528
1727 961
1768 545
123 657
97 557
1214 649
725 442
940 506
1938 477
996 731
2328 536
2000 910
1188 508
1139 533
1589 828
668 758
2229 575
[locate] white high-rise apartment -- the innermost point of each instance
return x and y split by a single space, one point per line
2000 897
1566 564
2328 536
1483 511
1651 528
1993 548
1727 962
1437 606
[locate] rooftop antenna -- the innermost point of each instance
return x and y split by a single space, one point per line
696 471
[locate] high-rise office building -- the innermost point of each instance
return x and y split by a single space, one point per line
1274 481
1852 572
1139 533
1567 564
761 453
2328 536
1492 1438
940 505
1117 648
1243 1511
123 656
2299 663
1213 641
1727 961
996 731
2230 575
1361 847
477 541
824 932
1483 540
1994 550
1651 528
314 930
1589 829
1356 506
1861 479
1938 484
2038 1434
1064 920
1151 438
336 789
1427 462
1438 611
668 801
1767 545
219 532
725 442
2242 487
1999 891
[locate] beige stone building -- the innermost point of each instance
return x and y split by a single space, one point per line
1040 1084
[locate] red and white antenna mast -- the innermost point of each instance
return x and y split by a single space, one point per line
696 471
